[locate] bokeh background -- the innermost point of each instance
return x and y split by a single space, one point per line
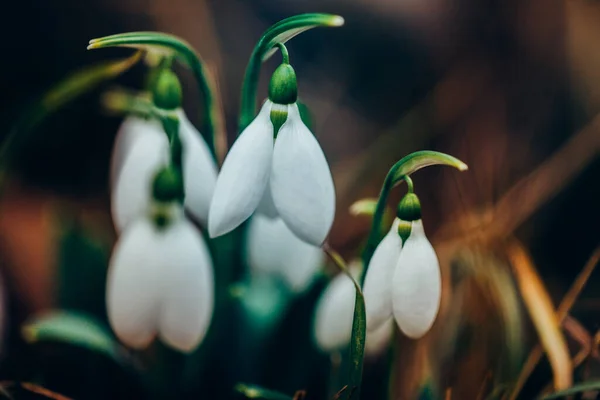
510 87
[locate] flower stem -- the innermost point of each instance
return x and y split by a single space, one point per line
284 53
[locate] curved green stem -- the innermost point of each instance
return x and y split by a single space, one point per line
409 183
169 45
398 173
281 32
285 55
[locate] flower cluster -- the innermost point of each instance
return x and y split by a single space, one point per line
161 275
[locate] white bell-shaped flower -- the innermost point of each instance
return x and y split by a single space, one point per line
141 148
160 281
294 169
417 284
334 315
377 287
403 282
274 251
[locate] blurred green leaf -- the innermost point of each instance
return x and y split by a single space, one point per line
581 387
280 32
62 93
257 392
364 207
82 266
72 328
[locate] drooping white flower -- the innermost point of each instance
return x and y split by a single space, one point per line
334 315
160 281
141 148
417 284
273 250
377 288
294 169
403 282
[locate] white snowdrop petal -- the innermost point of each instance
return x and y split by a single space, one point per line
134 285
301 182
379 339
377 288
334 314
274 250
131 192
130 130
199 170
417 285
244 176
188 297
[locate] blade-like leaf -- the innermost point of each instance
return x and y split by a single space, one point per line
581 387
542 313
257 392
65 91
72 328
280 32
359 331
406 166
169 45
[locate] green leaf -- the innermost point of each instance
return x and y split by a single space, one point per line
357 345
65 91
72 328
82 263
280 32
403 168
257 392
169 46
359 330
581 387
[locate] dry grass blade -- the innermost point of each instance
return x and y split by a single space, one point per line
543 315
31 387
563 310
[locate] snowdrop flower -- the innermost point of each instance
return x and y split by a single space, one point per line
276 156
274 251
404 281
334 315
141 148
160 279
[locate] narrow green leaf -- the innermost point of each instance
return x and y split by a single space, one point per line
169 45
280 32
257 392
357 345
359 330
581 387
65 91
73 328
406 166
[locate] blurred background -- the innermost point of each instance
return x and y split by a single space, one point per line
510 87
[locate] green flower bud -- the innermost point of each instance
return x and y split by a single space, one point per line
409 208
168 186
404 228
283 88
167 93
279 114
